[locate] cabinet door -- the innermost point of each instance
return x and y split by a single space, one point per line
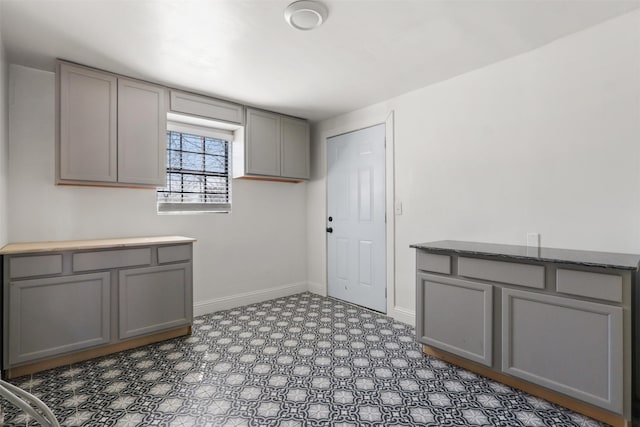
570 346
88 128
262 155
203 106
154 298
295 148
456 316
142 128
57 315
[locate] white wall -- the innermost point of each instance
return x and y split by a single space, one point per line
260 246
547 141
4 146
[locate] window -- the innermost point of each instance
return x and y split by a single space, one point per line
198 171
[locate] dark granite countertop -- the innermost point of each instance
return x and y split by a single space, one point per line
510 252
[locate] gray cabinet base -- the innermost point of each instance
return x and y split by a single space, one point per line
95 352
542 392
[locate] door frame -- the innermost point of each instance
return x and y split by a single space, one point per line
387 118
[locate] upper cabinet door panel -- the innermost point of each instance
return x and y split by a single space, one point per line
88 127
142 127
295 148
263 143
203 106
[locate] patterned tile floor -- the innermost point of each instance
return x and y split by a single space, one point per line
302 360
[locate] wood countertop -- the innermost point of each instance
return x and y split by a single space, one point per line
66 245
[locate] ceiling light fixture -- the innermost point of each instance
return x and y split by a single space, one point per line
305 14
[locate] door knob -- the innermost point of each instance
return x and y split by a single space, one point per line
329 229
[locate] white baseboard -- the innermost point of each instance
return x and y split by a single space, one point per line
238 300
403 315
318 288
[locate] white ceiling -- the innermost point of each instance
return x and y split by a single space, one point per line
367 51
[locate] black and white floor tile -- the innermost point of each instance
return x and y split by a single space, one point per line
302 360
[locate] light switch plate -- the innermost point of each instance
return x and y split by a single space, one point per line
533 240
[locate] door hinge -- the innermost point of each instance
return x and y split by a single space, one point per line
385 293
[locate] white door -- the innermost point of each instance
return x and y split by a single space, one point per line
356 266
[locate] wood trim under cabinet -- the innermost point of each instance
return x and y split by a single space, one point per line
541 392
95 352
266 178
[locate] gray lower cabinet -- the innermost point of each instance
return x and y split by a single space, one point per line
572 346
456 315
58 315
61 304
153 299
545 321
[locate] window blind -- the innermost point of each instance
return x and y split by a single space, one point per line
198 170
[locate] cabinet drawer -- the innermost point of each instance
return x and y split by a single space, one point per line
206 107
174 253
104 260
40 265
434 262
573 347
456 316
504 272
588 284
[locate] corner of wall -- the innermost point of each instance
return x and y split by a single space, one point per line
4 145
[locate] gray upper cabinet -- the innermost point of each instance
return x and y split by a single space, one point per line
295 162
263 143
209 108
111 129
276 147
88 124
142 127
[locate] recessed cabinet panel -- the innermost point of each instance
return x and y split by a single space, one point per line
38 265
175 253
295 148
88 127
203 106
100 260
142 127
154 299
433 262
263 143
588 284
58 315
504 272
571 346
456 316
